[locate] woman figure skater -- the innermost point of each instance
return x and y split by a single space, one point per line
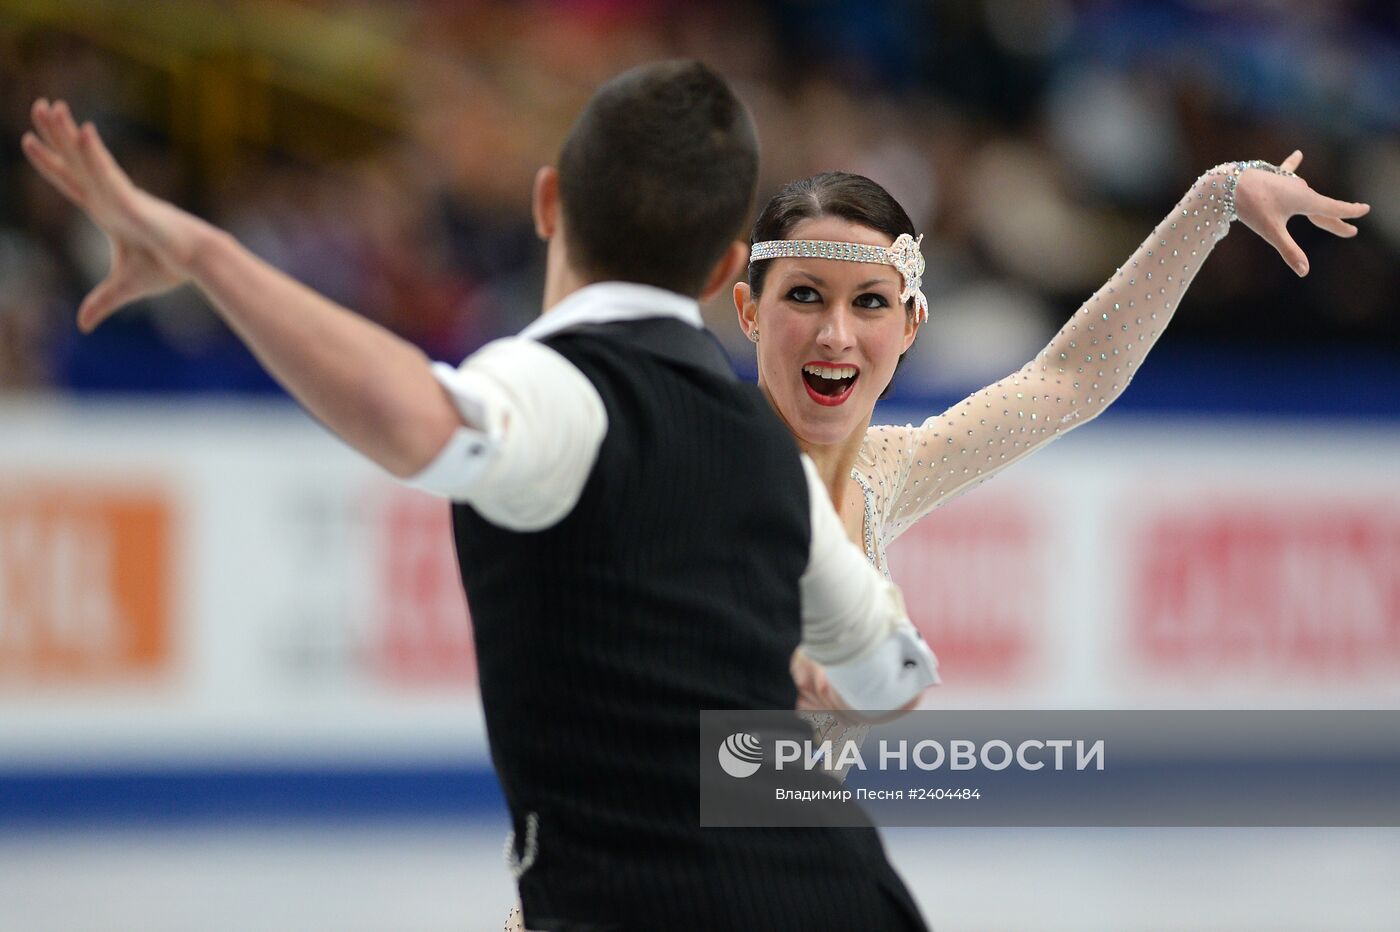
833 300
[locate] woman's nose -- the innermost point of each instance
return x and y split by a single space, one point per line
836 334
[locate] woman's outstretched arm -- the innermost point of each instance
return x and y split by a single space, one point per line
1090 361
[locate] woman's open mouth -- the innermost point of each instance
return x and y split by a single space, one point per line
829 384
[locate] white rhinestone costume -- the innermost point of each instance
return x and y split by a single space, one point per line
906 472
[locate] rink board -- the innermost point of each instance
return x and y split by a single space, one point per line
225 589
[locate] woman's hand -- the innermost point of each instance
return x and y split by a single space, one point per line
1264 202
152 242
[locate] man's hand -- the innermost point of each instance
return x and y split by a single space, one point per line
1264 202
152 241
815 694
375 390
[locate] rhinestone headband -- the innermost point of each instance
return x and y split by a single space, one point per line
903 254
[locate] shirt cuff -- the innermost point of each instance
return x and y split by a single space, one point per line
473 447
467 455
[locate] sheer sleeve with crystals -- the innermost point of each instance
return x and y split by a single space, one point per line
1084 368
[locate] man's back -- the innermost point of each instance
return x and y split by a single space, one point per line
670 587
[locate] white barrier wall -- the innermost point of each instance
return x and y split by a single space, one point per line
227 581
195 582
1155 565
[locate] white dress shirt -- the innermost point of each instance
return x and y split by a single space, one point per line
532 427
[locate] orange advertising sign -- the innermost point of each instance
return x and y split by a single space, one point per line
85 577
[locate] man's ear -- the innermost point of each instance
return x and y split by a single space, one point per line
545 202
726 269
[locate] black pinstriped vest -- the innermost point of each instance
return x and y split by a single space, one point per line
671 587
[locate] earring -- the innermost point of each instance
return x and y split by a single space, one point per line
753 335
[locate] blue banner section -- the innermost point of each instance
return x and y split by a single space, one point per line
1183 380
164 794
1186 380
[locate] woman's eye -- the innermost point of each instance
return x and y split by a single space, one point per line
804 295
872 301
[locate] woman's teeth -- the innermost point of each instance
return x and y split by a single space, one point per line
831 372
829 382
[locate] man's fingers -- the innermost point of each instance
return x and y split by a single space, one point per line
56 126
52 167
1333 225
97 157
42 115
65 130
102 302
1293 161
48 122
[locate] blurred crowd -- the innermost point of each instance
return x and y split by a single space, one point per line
1036 142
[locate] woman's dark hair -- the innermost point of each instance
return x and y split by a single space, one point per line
658 176
831 194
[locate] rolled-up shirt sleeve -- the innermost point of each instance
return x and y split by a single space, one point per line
532 424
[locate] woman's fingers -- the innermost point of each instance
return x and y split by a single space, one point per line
1290 251
1315 204
1326 213
1331 207
1333 225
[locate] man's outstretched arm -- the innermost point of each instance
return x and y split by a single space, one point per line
371 388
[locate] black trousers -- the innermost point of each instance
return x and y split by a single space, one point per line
740 880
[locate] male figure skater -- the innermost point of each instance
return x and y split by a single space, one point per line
638 537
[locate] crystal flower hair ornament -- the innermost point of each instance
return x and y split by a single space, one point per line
904 254
907 256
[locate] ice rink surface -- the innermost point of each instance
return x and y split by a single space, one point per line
424 877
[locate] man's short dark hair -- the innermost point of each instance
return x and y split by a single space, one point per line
658 176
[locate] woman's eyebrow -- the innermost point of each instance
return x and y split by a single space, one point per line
884 280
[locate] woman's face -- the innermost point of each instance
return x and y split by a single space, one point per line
830 333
